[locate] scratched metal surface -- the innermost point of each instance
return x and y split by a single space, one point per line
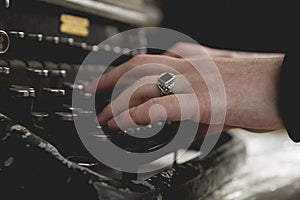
271 170
27 160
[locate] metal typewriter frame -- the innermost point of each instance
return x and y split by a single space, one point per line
27 148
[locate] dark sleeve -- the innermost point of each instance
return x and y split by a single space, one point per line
289 88
289 98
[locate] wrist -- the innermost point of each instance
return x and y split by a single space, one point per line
251 86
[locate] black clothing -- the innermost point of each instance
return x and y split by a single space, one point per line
289 98
253 25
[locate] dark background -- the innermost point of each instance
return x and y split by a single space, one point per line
256 25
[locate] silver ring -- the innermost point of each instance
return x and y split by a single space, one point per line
166 83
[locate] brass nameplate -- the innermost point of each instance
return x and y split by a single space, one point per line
74 25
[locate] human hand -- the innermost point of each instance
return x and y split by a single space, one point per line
250 81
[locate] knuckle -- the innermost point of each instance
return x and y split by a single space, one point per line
178 44
139 58
142 94
154 101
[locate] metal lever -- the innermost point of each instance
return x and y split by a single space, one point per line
56 74
7 3
65 116
54 70
22 91
21 103
54 92
56 77
51 100
18 34
37 75
4 70
39 72
70 89
38 37
61 73
73 86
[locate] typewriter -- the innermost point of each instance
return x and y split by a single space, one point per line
42 46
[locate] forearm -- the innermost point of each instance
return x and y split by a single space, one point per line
252 90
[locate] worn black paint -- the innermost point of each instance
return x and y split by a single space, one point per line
34 168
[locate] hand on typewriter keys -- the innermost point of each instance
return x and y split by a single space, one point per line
250 81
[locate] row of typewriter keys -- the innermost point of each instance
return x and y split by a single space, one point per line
43 99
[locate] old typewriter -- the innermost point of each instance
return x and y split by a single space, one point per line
42 46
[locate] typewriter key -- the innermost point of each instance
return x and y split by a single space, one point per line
17 34
21 103
71 88
70 75
70 108
5 3
69 41
51 100
59 73
22 91
38 37
4 70
37 75
65 134
17 70
56 74
4 42
52 39
40 119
